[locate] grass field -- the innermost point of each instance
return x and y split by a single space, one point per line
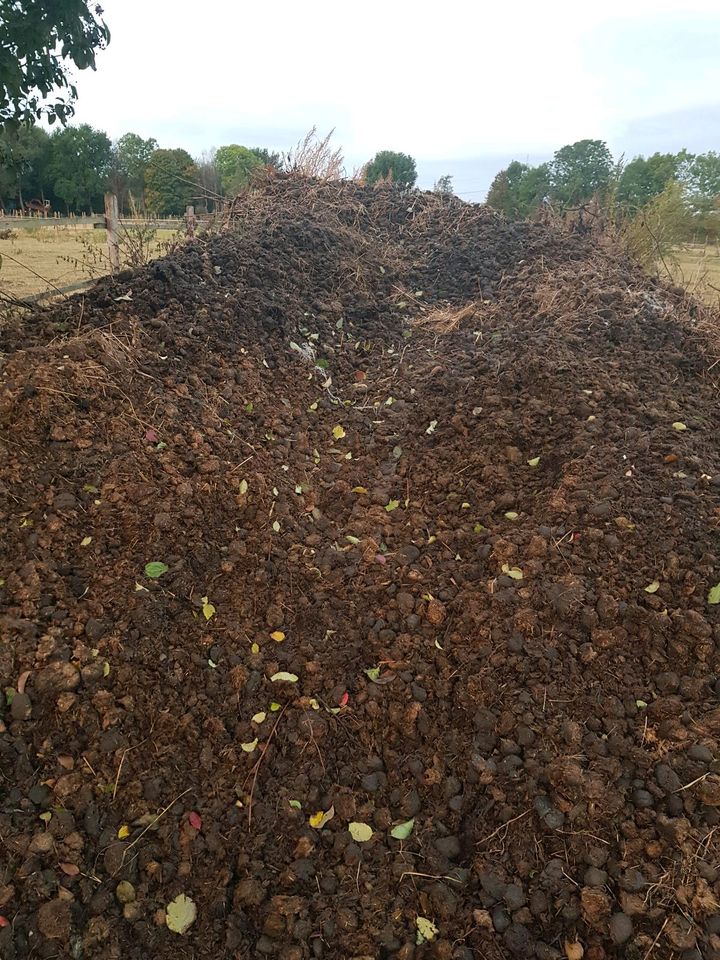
37 260
697 267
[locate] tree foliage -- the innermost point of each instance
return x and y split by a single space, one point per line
580 170
643 178
395 167
78 166
444 184
235 165
24 156
171 178
40 42
133 155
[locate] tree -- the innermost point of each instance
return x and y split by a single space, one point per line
235 165
40 40
642 178
396 167
79 166
171 179
132 156
703 181
268 158
444 184
580 170
519 190
24 155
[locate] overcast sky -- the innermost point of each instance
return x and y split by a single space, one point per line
464 87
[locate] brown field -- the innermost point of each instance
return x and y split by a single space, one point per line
35 261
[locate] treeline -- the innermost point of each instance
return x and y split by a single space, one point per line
73 167
687 183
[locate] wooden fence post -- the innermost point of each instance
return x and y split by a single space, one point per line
190 221
111 225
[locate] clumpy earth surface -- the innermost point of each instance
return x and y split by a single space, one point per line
426 663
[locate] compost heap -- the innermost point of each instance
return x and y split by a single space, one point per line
358 597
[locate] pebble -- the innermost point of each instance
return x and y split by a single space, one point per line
700 753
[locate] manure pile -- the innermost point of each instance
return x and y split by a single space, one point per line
357 584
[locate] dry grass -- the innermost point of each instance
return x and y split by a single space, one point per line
697 268
36 260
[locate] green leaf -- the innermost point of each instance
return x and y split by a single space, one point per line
338 432
243 487
679 425
640 704
511 515
282 675
397 452
714 594
249 747
249 407
653 587
403 830
426 930
89 488
207 608
274 707
322 363
360 832
86 541
180 914
295 804
156 569
534 462
478 528
514 572
353 540
373 673
392 505
259 717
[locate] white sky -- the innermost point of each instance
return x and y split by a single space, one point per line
462 86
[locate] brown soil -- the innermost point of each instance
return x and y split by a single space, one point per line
551 725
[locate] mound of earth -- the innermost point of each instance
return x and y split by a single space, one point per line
358 598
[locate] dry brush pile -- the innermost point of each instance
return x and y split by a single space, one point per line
358 597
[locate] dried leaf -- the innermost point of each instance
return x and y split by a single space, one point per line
624 523
259 717
278 636
250 746
155 569
86 541
574 950
243 488
319 819
360 832
403 830
69 869
338 432
653 587
282 675
124 832
180 914
514 572
426 930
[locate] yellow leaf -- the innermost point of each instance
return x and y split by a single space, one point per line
319 819
180 914
278 635
574 950
208 609
360 832
276 526
514 572
259 717
338 432
106 669
283 675
249 747
359 490
426 930
653 587
274 707
86 541
511 515
123 832
534 462
255 648
679 425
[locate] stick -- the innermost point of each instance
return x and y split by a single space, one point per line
652 945
257 765
502 827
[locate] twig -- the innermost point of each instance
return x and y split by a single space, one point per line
152 824
428 876
652 945
503 826
260 760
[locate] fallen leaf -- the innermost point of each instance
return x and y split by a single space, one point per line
353 540
624 523
295 804
373 673
426 930
151 436
47 817
180 914
670 458
640 704
359 490
403 830
208 609
392 505
514 572
431 428
195 820
86 541
653 587
714 594
397 452
69 869
255 648
278 636
250 746
123 832
276 526
319 819
478 528
156 569
89 488
106 669
534 462
338 432
282 675
243 488
274 707
360 832
125 296
511 515
344 699
679 425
